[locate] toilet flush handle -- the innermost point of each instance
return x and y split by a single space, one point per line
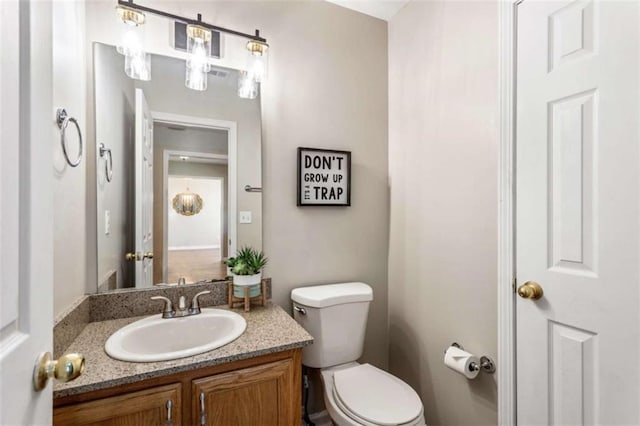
299 309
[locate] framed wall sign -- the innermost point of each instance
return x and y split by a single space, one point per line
324 177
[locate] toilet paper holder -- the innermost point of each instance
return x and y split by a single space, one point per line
486 364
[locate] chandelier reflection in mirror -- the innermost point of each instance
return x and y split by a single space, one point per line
138 61
187 203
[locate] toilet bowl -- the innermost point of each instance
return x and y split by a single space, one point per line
361 394
354 394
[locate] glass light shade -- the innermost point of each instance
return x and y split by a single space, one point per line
195 79
187 203
258 60
131 40
137 62
198 66
247 86
138 66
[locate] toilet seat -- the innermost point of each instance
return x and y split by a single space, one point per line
369 395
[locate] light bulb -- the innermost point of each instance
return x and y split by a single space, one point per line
198 58
138 66
130 42
137 62
197 66
196 79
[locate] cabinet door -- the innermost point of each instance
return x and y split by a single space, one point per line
156 406
262 395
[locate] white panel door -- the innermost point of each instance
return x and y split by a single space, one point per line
578 212
144 192
28 133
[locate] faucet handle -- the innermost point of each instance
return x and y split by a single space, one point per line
195 305
168 311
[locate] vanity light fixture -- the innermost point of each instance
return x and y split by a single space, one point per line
258 59
187 203
198 67
137 62
198 41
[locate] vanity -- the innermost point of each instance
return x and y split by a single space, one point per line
254 380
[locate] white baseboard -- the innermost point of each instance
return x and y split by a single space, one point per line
179 248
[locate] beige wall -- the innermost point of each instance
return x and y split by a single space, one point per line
70 230
115 127
443 151
327 89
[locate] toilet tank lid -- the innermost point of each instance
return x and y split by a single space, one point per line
321 296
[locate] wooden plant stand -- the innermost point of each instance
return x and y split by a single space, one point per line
260 299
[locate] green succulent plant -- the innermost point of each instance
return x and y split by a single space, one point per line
248 261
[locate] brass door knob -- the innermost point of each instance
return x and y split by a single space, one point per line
132 256
147 255
530 290
65 369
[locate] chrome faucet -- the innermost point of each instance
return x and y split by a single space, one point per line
169 312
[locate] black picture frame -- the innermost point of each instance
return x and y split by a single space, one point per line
330 158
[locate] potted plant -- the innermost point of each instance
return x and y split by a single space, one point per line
231 262
247 271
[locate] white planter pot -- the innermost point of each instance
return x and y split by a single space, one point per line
247 280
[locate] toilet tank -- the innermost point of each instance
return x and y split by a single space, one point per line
336 316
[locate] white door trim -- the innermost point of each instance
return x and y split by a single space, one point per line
506 260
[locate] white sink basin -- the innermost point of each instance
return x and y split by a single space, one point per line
159 339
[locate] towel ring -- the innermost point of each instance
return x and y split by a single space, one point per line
63 119
108 164
250 188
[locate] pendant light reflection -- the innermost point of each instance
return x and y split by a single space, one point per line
137 61
187 203
258 60
247 86
198 67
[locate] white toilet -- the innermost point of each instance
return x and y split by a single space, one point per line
354 394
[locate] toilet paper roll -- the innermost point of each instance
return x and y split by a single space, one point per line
460 361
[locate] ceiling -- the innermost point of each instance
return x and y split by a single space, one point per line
382 9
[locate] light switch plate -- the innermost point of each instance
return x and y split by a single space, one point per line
245 217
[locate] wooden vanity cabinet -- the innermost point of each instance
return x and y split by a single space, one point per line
262 391
259 395
159 405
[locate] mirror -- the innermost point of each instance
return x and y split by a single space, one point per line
171 169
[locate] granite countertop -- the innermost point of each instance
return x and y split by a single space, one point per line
269 329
